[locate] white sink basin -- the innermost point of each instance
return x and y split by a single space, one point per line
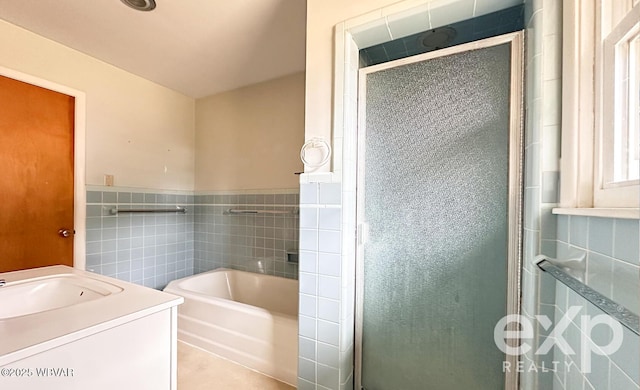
52 292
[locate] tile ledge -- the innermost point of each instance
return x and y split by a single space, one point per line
624 213
320 177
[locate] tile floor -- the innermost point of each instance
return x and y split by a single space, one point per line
200 370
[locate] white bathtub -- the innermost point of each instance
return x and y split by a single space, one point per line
248 318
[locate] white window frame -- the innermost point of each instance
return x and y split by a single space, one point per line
585 109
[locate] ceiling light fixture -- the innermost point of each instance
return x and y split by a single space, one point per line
141 5
437 38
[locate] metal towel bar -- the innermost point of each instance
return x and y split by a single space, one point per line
254 212
178 209
615 310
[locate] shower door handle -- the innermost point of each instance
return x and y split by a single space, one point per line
362 233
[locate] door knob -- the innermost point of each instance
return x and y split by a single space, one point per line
66 233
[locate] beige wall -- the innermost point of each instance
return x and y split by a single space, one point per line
322 16
139 131
250 138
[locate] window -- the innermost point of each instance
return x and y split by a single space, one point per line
600 161
627 141
620 70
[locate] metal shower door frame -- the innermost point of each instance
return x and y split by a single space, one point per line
515 196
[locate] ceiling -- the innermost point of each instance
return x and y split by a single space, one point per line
196 47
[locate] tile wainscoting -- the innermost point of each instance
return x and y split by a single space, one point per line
249 242
152 249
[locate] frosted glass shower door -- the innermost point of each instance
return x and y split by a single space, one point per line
438 208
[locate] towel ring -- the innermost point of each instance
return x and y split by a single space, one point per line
315 143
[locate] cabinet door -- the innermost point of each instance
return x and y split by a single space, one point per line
136 355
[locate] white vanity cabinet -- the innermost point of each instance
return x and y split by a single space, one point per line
124 341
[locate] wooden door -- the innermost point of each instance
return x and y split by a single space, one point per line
36 182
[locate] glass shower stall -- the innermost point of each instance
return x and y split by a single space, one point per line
439 217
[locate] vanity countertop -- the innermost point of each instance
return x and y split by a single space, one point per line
27 335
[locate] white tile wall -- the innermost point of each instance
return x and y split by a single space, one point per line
553 235
409 17
329 241
327 251
329 287
372 33
329 310
329 264
408 22
617 371
443 12
328 332
321 294
542 101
